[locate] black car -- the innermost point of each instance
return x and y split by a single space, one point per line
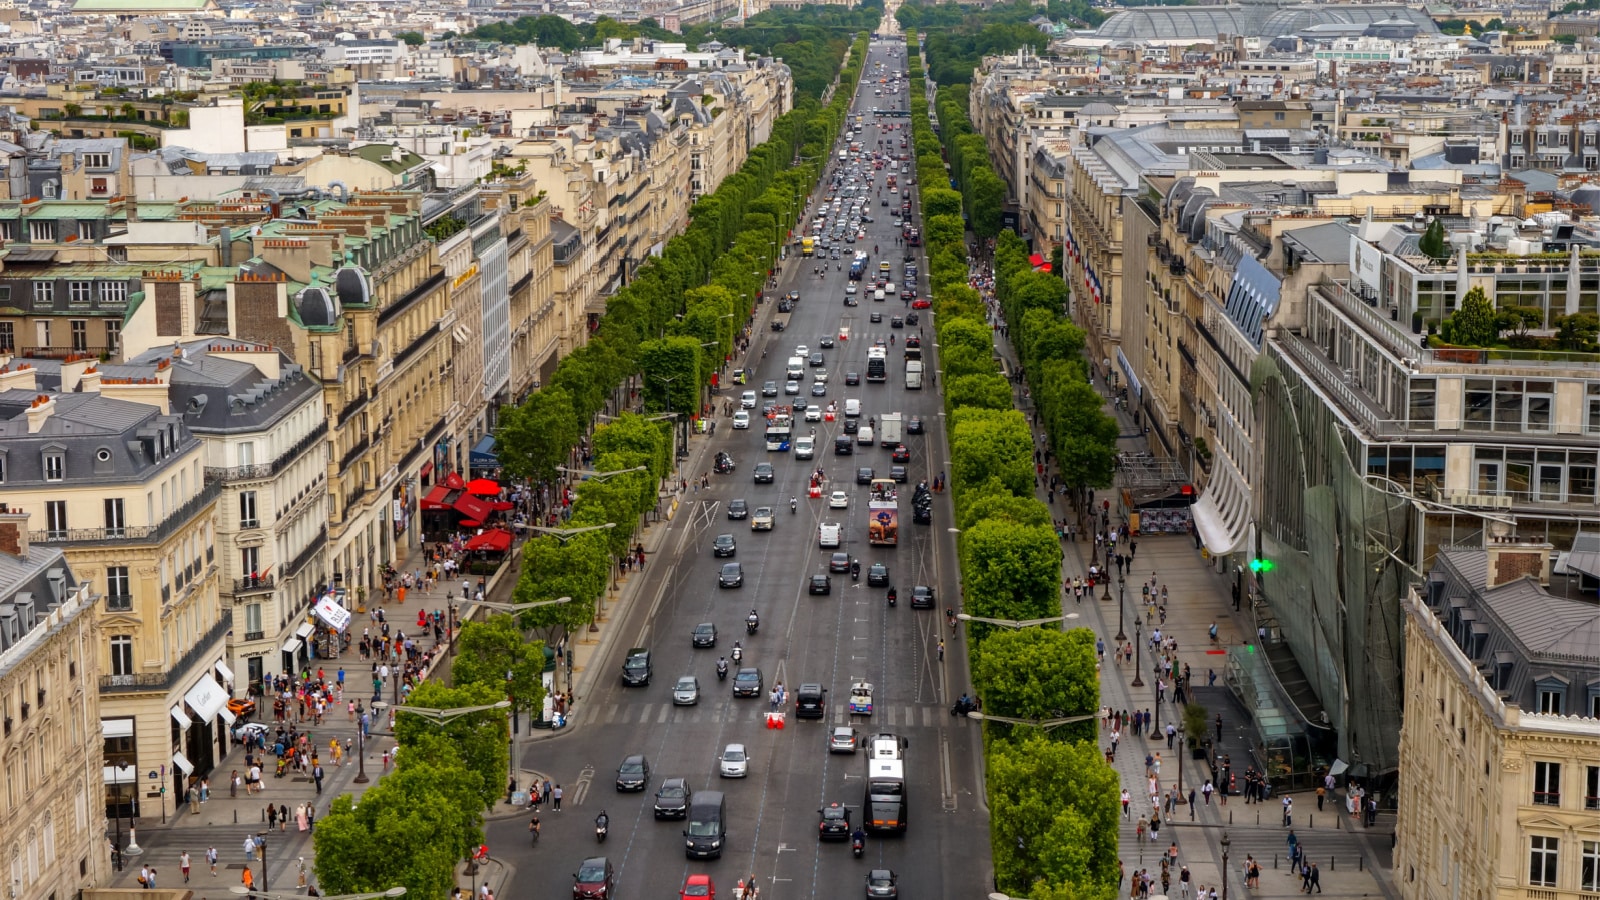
769 389
835 824
636 668
843 446
731 576
897 322
819 389
901 454
594 879
851 425
724 545
704 635
633 774
811 702
914 425
922 597
815 360
864 475
826 342
821 584
747 682
876 316
763 473
738 508
852 378
672 799
723 463
785 305
898 473
839 562
877 575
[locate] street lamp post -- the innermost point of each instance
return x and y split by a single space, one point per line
1016 624
1122 602
1138 656
361 753
1225 843
1181 747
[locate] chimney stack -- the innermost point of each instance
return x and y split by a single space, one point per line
13 533
1511 558
39 412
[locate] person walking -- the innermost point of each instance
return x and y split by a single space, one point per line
1316 879
1288 810
211 860
1127 799
183 866
555 798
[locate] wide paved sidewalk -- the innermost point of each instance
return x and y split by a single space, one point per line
1351 862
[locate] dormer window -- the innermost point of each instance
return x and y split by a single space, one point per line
55 465
1551 692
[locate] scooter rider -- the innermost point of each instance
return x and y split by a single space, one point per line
753 619
794 504
738 653
722 668
855 570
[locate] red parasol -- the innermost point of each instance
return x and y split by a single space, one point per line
495 540
486 486
470 523
503 505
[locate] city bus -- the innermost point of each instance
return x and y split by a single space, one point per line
884 807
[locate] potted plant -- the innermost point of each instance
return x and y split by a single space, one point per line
1416 322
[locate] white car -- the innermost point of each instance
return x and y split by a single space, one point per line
741 420
802 351
813 413
761 519
747 400
851 289
838 500
829 535
734 762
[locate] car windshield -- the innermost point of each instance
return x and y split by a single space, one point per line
696 890
763 511
589 873
733 755
686 684
634 662
671 792
745 676
730 569
631 767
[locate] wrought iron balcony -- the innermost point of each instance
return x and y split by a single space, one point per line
208 644
251 584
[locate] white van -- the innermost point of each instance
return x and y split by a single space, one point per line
804 447
828 535
864 435
877 295
890 289
852 408
796 368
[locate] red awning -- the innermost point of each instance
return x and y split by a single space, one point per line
454 482
472 507
427 469
495 540
438 498
1035 260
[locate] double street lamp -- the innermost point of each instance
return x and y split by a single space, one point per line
1017 624
1042 724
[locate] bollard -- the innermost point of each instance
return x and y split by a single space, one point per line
1230 817
1274 861
1332 863
1311 822
235 817
1338 823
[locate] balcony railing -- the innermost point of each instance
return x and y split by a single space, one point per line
208 644
309 553
119 602
150 534
253 583
244 473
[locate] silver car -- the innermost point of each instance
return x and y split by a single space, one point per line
734 762
686 692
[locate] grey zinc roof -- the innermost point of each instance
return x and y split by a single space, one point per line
1545 624
1328 242
217 393
83 424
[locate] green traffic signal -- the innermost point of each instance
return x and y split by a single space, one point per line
1260 566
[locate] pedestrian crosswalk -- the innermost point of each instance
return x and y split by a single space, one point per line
884 716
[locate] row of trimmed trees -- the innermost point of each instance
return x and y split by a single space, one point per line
1052 798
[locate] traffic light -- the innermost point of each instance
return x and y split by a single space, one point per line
1261 566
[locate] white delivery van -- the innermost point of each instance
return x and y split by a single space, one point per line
877 295
796 368
828 535
852 408
890 289
804 447
864 435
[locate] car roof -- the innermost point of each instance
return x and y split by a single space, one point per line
748 670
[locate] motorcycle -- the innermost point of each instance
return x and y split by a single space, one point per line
892 596
858 845
963 705
751 624
722 670
602 826
794 505
855 570
738 653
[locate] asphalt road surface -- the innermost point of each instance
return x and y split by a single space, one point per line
850 633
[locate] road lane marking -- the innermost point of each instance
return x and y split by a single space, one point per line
644 713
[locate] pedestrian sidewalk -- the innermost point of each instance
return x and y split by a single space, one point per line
1350 862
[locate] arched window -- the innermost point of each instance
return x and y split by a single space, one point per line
49 840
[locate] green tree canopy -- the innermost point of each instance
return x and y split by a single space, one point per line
481 738
494 647
1474 323
536 437
1040 673
1010 571
1053 817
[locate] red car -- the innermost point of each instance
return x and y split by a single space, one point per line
698 887
920 303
